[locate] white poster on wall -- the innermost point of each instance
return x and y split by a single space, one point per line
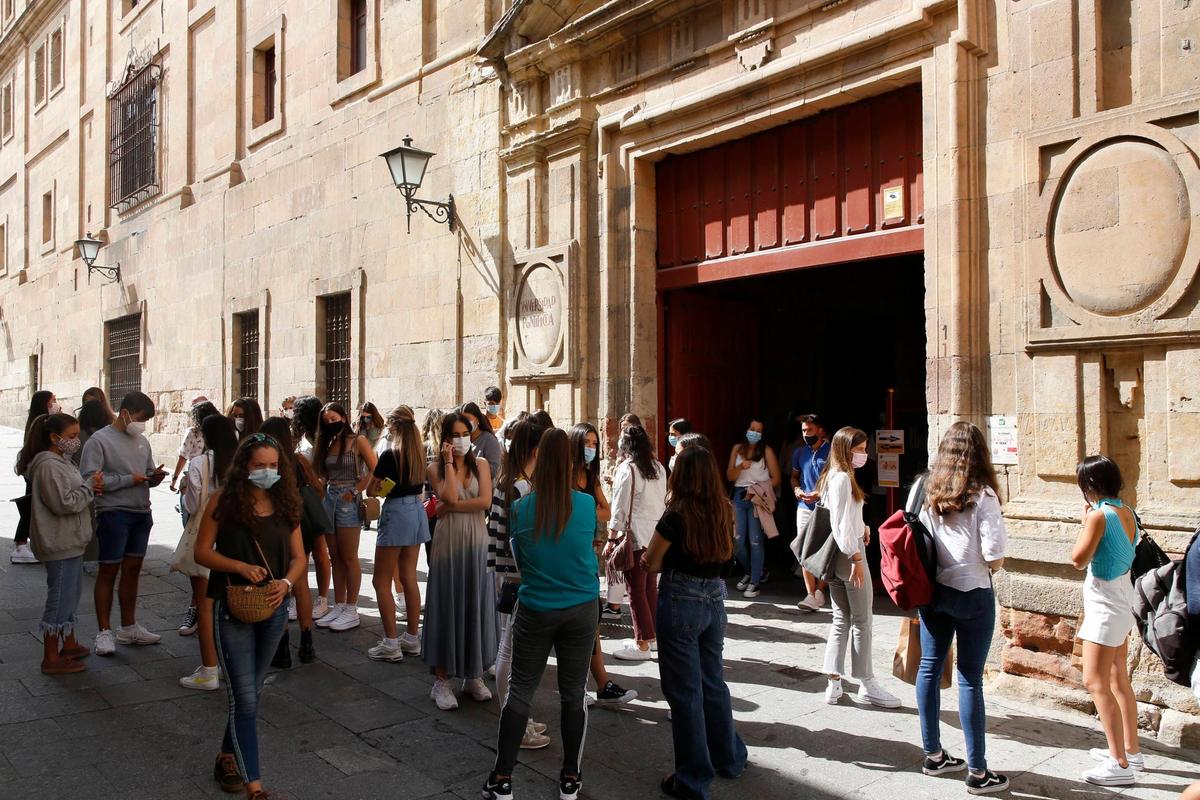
1002 437
889 470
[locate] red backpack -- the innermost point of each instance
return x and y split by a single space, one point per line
909 556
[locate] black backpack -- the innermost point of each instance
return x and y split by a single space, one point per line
1160 608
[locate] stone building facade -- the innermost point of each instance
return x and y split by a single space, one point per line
689 208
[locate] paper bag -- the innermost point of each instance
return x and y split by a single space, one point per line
907 660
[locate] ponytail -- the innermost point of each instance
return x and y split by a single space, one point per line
37 440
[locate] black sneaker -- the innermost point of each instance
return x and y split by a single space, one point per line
283 653
494 789
190 622
942 763
608 612
612 694
226 774
987 783
308 653
568 788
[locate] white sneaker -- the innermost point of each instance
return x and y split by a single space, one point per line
21 554
534 740
346 620
292 609
443 694
1137 761
136 634
401 604
634 653
410 643
320 608
1110 773
751 591
814 602
385 652
743 583
870 692
204 679
834 692
478 690
105 644
332 613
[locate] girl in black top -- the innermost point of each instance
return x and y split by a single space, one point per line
250 534
689 546
403 528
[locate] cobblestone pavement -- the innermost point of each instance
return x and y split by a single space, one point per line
345 727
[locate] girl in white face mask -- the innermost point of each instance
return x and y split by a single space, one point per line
850 586
459 639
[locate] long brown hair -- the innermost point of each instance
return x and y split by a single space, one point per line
280 429
696 492
841 458
236 503
447 435
406 445
325 439
961 469
552 481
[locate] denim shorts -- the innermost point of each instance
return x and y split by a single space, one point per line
123 534
402 522
343 513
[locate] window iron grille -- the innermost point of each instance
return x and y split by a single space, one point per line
248 355
337 348
124 357
133 174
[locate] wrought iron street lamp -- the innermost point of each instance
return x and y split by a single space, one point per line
89 248
407 165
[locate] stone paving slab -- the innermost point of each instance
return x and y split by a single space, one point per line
346 727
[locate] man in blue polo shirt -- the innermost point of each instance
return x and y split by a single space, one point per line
808 462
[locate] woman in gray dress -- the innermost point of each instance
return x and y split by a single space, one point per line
460 631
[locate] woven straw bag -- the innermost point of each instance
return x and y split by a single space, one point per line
249 603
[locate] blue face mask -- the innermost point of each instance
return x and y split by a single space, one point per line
673 440
589 455
753 437
494 410
264 478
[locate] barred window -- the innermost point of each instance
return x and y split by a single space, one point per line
337 348
39 75
133 146
124 340
248 364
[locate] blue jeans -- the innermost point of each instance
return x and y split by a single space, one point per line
245 652
971 616
748 544
691 638
342 513
123 534
64 583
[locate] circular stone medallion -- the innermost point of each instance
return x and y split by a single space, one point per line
540 313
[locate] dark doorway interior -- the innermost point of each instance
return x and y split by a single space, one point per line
829 340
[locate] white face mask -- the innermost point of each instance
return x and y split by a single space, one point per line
135 428
288 413
53 408
461 445
239 423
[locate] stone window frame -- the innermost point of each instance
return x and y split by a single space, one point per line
259 303
347 84
9 12
37 70
259 130
59 31
46 243
3 245
319 288
8 109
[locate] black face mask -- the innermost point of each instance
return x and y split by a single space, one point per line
811 440
334 428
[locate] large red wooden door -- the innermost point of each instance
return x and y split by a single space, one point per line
710 365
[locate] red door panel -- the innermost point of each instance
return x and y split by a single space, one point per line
856 167
713 203
687 204
665 203
823 175
766 190
794 175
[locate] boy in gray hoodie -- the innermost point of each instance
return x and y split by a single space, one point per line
122 454
60 521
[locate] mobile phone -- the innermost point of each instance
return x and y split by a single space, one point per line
385 487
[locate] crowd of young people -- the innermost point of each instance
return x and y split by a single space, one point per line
518 531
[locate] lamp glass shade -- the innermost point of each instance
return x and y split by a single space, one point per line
89 248
407 165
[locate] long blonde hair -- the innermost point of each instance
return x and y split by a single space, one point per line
841 458
406 446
